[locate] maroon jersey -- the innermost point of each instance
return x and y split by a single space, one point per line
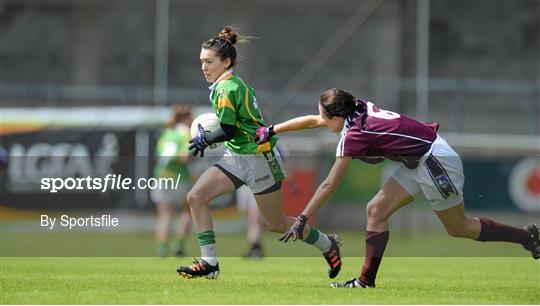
377 134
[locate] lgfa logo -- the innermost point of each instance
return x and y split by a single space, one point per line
28 164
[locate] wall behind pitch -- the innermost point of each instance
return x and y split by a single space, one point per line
510 184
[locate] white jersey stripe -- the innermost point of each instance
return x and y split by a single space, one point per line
339 149
341 144
396 134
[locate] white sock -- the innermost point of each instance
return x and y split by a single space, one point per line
323 243
208 253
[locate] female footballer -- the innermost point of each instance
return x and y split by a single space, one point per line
428 165
244 162
172 158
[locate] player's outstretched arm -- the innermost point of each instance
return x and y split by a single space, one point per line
327 187
325 190
264 133
300 123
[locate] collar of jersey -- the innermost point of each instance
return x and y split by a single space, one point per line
349 121
221 77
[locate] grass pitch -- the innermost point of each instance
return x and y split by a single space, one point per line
276 280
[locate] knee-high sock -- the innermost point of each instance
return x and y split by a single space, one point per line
494 231
375 245
207 243
318 239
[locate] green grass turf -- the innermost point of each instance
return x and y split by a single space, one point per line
90 244
276 280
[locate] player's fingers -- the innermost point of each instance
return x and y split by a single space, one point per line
288 237
201 129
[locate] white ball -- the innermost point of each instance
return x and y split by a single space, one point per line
209 122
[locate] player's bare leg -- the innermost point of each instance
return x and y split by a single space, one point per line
209 186
254 231
270 207
457 224
389 199
163 221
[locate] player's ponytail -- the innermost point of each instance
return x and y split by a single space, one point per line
224 43
228 34
340 103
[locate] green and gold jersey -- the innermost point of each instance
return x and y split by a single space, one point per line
172 143
234 103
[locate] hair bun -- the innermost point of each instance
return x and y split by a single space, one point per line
228 34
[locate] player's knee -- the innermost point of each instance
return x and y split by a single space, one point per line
275 227
194 199
374 213
462 228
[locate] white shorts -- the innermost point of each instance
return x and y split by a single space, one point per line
258 171
171 196
245 199
439 176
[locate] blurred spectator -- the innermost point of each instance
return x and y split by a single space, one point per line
172 159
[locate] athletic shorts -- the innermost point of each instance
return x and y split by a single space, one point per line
439 176
171 196
258 171
245 199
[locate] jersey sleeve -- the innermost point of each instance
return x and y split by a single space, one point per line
353 143
227 105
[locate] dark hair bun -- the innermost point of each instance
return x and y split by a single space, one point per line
228 34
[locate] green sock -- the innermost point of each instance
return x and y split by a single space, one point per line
312 237
161 248
178 244
318 240
160 244
206 237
